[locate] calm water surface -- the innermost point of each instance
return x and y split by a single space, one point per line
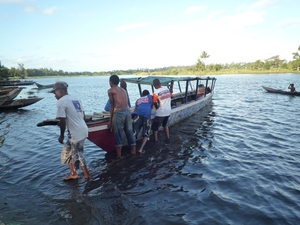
235 162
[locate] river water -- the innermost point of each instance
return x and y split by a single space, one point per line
235 162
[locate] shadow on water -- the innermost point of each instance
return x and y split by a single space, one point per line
134 185
191 134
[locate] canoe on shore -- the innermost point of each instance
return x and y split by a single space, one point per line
10 95
272 90
19 103
15 82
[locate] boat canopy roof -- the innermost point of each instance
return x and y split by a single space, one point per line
163 80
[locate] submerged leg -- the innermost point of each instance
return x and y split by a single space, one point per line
85 172
167 134
133 149
73 175
155 135
145 139
119 149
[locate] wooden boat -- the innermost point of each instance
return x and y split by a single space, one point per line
5 90
41 86
10 95
187 101
15 82
281 91
19 103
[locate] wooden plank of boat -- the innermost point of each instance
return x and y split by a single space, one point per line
10 95
41 86
184 104
16 83
272 90
5 90
19 103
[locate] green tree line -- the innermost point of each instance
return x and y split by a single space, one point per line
271 65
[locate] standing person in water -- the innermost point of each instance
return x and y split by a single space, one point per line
162 115
120 116
71 117
142 117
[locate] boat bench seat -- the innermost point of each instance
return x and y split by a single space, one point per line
179 98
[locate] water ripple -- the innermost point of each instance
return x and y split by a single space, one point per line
235 162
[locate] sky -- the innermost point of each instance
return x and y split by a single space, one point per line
107 35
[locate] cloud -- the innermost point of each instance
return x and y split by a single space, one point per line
193 9
34 9
132 26
262 4
259 5
48 11
29 9
10 1
289 23
242 20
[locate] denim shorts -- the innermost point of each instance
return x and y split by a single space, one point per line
122 122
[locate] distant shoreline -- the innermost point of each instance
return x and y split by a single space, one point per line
161 73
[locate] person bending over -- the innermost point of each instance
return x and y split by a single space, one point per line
142 117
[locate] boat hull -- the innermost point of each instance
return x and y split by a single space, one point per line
186 110
101 136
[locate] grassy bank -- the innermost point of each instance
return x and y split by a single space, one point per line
220 72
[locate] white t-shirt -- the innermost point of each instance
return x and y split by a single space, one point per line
70 108
164 97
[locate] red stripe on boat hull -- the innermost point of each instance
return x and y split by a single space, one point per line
101 136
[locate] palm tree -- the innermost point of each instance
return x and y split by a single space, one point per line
200 65
296 62
296 54
204 56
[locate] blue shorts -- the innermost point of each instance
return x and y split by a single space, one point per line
122 122
73 152
141 122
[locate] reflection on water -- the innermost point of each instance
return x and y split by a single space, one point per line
235 162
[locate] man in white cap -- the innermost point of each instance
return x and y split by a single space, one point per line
71 116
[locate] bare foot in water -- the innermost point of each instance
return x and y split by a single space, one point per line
133 149
71 177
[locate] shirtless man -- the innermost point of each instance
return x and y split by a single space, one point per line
120 116
292 87
124 86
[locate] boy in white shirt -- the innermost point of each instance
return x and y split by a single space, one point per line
163 112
